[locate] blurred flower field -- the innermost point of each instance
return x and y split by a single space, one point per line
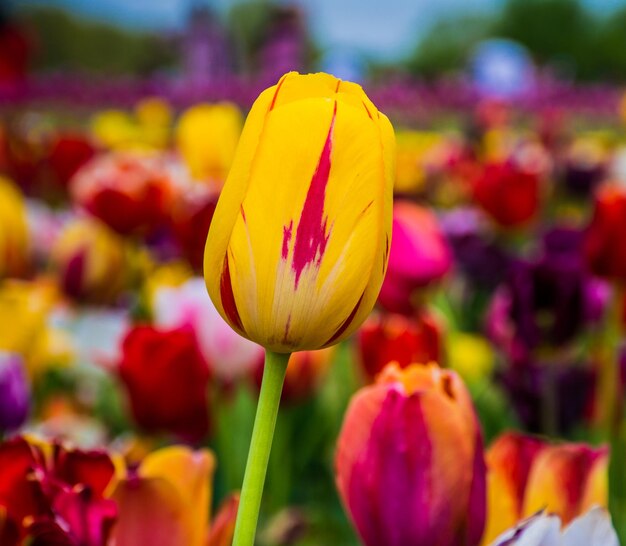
483 392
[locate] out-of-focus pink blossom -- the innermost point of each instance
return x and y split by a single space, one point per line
229 355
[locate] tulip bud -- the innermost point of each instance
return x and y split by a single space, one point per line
207 136
409 462
419 255
298 245
90 261
13 230
396 338
605 241
14 392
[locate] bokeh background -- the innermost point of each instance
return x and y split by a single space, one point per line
218 43
118 124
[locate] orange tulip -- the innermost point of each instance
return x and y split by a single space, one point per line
526 475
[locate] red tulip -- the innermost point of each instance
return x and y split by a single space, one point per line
53 495
68 153
419 255
397 338
605 240
191 219
510 195
409 464
131 193
166 378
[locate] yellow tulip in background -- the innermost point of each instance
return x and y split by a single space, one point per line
206 137
298 246
24 310
90 261
13 230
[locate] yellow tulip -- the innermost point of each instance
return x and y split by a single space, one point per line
298 245
471 356
154 118
167 502
415 150
24 309
114 129
13 230
207 136
90 261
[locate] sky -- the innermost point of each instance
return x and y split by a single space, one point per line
380 29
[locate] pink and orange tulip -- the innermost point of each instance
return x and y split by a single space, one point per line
409 463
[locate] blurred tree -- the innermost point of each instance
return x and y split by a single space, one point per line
559 32
66 42
247 21
446 46
563 34
608 54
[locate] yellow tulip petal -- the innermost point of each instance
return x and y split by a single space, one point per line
151 511
190 472
291 261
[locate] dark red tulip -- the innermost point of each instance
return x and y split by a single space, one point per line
166 378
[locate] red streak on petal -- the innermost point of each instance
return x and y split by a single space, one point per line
287 230
278 86
243 214
286 335
228 298
386 253
347 322
367 110
311 237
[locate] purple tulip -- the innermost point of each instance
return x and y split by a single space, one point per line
574 385
14 392
581 179
479 258
546 300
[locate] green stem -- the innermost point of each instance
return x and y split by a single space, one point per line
260 447
615 426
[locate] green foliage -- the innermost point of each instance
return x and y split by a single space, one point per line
555 31
563 34
66 42
446 46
